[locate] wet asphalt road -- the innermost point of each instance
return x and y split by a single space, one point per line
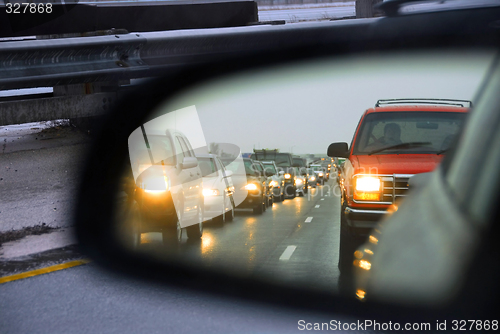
88 299
39 174
295 242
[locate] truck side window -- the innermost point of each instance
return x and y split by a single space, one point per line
178 149
185 148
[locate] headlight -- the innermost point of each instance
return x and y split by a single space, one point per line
156 184
273 183
210 192
251 186
288 176
367 188
298 181
312 178
320 174
367 183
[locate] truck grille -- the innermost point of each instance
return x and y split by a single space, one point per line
395 187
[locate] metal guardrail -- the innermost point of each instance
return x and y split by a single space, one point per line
112 58
66 62
47 63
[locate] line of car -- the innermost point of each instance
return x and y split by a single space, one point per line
174 188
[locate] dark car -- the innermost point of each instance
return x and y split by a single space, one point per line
284 162
320 173
256 189
277 180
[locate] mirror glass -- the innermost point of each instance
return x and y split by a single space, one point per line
193 192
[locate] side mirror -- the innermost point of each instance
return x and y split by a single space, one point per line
281 173
229 173
189 162
338 150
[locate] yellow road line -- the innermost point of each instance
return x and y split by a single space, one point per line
41 271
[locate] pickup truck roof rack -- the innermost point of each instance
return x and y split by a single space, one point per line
448 102
266 151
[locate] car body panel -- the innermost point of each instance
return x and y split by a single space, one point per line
215 205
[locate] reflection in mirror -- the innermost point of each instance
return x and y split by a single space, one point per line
193 192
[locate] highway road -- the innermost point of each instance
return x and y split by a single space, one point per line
295 242
40 166
87 299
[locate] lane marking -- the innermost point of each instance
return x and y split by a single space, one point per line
308 219
287 253
322 199
42 271
317 206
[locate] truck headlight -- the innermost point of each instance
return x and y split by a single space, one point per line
288 176
273 183
298 181
320 174
210 192
367 188
156 184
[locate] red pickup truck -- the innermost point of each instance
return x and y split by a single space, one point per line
393 141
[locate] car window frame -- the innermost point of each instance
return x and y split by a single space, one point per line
467 190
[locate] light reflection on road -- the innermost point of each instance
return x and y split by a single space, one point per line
252 244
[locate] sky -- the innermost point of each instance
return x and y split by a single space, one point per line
304 108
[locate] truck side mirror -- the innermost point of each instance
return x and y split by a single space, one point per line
189 162
338 150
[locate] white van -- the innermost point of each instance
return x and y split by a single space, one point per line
169 188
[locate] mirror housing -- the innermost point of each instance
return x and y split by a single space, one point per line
189 162
338 150
96 234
